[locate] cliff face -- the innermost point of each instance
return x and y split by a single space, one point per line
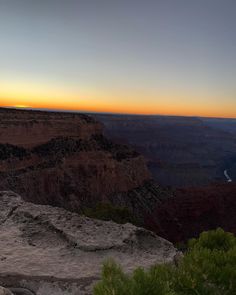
64 160
31 128
191 211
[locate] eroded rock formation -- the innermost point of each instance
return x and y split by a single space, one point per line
63 159
31 128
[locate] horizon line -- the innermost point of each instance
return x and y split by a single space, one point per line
28 108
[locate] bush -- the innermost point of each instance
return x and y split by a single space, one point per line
116 282
106 211
214 240
207 268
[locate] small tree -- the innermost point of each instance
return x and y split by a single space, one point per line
207 268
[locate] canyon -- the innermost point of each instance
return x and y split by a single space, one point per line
76 162
180 151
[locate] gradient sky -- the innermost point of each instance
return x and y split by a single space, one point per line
127 56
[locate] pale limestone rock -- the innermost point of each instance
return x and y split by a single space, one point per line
52 251
4 291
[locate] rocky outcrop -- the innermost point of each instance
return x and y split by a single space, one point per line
63 159
50 250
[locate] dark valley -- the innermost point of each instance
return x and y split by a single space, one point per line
180 151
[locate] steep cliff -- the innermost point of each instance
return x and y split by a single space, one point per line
63 159
31 128
192 211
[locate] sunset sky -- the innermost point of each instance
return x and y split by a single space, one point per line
173 57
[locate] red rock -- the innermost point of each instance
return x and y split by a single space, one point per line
192 211
65 160
31 128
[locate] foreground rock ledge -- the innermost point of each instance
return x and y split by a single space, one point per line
50 250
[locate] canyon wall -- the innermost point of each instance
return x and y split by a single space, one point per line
63 159
31 128
180 151
191 211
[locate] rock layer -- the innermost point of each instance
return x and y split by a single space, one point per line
63 159
46 249
31 128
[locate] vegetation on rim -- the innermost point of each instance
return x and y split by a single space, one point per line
207 268
107 211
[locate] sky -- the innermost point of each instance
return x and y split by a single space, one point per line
175 57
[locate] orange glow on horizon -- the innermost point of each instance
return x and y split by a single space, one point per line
20 106
20 95
128 109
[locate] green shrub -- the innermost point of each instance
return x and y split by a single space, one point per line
214 240
116 282
181 246
207 268
106 211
